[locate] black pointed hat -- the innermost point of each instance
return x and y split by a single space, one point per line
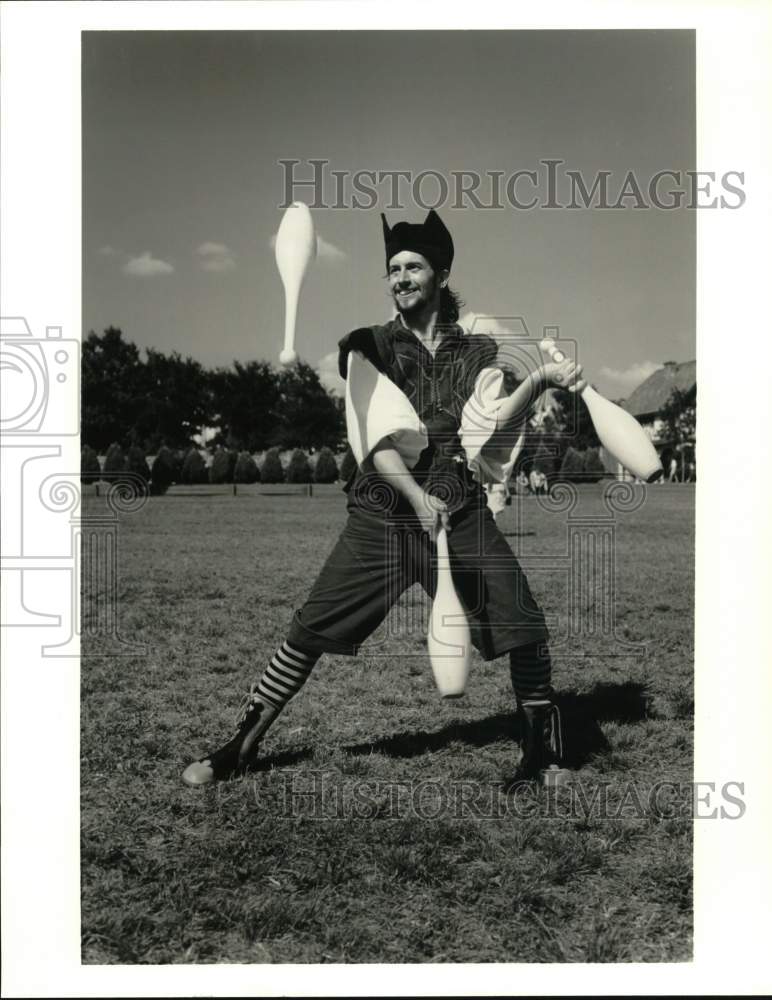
430 238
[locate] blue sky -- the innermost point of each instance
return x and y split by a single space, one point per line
182 135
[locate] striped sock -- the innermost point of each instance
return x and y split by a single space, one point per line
286 675
531 672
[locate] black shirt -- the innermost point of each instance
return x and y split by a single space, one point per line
438 387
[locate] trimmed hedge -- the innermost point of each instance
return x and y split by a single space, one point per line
246 470
223 466
326 470
194 471
164 471
115 463
137 463
299 468
272 471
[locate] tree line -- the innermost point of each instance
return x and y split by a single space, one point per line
174 466
167 400
159 405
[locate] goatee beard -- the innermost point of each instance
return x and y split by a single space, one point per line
413 310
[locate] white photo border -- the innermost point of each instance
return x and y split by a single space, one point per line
41 281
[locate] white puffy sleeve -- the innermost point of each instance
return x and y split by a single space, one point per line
489 460
376 408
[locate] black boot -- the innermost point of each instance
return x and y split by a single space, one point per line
239 752
541 741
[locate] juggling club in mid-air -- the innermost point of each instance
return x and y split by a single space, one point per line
295 250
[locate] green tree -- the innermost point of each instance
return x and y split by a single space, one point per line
222 467
299 468
326 469
308 416
246 470
679 418
163 400
272 471
177 400
111 388
244 405
194 471
90 470
577 429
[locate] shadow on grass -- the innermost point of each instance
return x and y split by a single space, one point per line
581 715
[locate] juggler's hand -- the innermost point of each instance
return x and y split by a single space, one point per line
564 375
432 515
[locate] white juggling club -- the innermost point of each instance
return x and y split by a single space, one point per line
618 431
295 250
449 640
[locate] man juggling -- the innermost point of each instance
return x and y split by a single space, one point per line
430 422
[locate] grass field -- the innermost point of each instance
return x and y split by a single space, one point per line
376 828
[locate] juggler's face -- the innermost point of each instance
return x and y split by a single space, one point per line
413 284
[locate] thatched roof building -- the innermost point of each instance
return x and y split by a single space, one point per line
650 396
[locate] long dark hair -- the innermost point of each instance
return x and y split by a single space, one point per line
451 305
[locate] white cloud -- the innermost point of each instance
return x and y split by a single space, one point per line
328 374
146 266
216 257
213 248
518 346
501 328
324 249
108 251
630 378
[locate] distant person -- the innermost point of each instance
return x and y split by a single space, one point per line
497 496
673 475
538 482
521 484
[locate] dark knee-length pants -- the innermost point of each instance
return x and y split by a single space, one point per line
376 559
